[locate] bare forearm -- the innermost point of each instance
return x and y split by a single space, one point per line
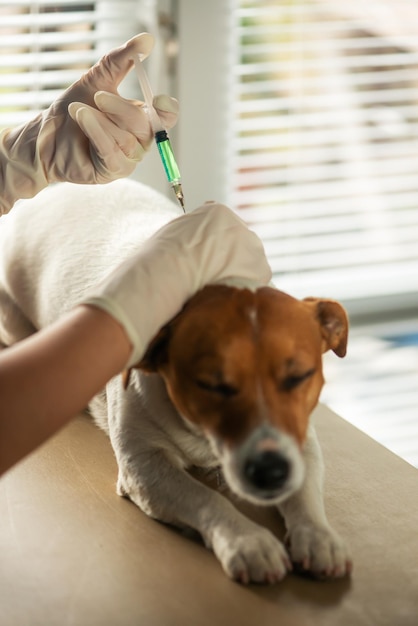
46 379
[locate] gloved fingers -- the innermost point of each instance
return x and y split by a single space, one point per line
167 109
141 44
112 68
130 114
113 149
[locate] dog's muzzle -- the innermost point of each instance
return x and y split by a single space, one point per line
266 468
267 471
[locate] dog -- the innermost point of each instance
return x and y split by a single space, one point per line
229 383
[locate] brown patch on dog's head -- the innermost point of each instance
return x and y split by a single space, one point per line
233 359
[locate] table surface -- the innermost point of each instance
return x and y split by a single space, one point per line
74 553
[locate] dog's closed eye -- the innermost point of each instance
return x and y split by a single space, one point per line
294 380
220 388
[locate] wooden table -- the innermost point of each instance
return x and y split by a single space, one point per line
74 553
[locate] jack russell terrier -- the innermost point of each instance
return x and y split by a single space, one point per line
229 383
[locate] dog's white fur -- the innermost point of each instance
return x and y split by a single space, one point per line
52 248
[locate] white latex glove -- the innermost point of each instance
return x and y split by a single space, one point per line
207 246
90 134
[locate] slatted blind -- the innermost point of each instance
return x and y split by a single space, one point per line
44 47
324 148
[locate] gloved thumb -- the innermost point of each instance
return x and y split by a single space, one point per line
112 68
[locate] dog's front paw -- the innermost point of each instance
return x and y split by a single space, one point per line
255 556
319 551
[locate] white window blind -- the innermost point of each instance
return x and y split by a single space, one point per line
324 147
45 46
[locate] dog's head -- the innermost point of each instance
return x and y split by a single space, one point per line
246 368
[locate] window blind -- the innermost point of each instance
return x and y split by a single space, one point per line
324 149
45 46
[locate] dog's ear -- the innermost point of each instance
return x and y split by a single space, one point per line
156 353
154 357
333 320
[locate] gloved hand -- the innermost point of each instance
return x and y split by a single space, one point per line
90 134
209 245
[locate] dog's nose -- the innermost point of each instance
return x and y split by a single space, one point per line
268 470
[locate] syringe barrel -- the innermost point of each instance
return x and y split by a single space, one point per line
166 152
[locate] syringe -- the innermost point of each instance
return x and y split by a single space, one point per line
161 137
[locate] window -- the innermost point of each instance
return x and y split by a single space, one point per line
325 148
44 47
